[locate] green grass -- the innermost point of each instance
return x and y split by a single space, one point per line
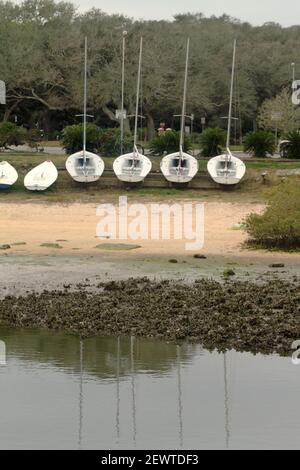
268 164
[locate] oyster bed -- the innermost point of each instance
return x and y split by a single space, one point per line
245 316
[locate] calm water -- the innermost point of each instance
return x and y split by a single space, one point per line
104 393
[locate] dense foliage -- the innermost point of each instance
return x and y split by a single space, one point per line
168 142
110 142
212 141
41 59
11 134
260 143
279 225
292 145
73 138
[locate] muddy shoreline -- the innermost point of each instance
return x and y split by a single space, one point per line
241 315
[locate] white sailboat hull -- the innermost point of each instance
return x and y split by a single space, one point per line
41 177
176 173
85 171
226 169
8 175
132 167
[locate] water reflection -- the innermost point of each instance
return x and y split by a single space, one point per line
80 394
67 392
226 402
180 411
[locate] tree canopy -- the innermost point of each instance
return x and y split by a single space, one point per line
41 61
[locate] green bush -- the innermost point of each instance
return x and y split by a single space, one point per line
260 143
72 138
110 142
168 142
195 137
212 140
11 134
279 225
292 146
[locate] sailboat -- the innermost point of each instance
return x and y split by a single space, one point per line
133 167
180 167
226 169
41 177
84 166
8 175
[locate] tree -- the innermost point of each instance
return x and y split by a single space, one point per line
46 40
280 113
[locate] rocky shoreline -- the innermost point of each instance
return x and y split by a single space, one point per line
245 316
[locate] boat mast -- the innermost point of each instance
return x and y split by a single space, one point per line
135 151
123 86
85 100
184 98
231 98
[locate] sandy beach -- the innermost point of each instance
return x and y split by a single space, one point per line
73 227
28 265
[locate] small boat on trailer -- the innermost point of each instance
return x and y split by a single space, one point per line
226 169
8 175
41 177
133 167
180 167
85 166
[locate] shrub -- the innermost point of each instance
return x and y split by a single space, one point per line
260 143
11 134
168 142
212 140
110 142
33 137
72 138
279 225
195 137
292 145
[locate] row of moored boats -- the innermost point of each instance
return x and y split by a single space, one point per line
179 167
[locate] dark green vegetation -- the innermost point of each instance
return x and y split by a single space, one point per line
107 142
292 146
260 143
11 134
110 142
168 143
239 315
72 138
212 141
41 60
279 226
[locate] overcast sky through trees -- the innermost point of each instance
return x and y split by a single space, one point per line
287 13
